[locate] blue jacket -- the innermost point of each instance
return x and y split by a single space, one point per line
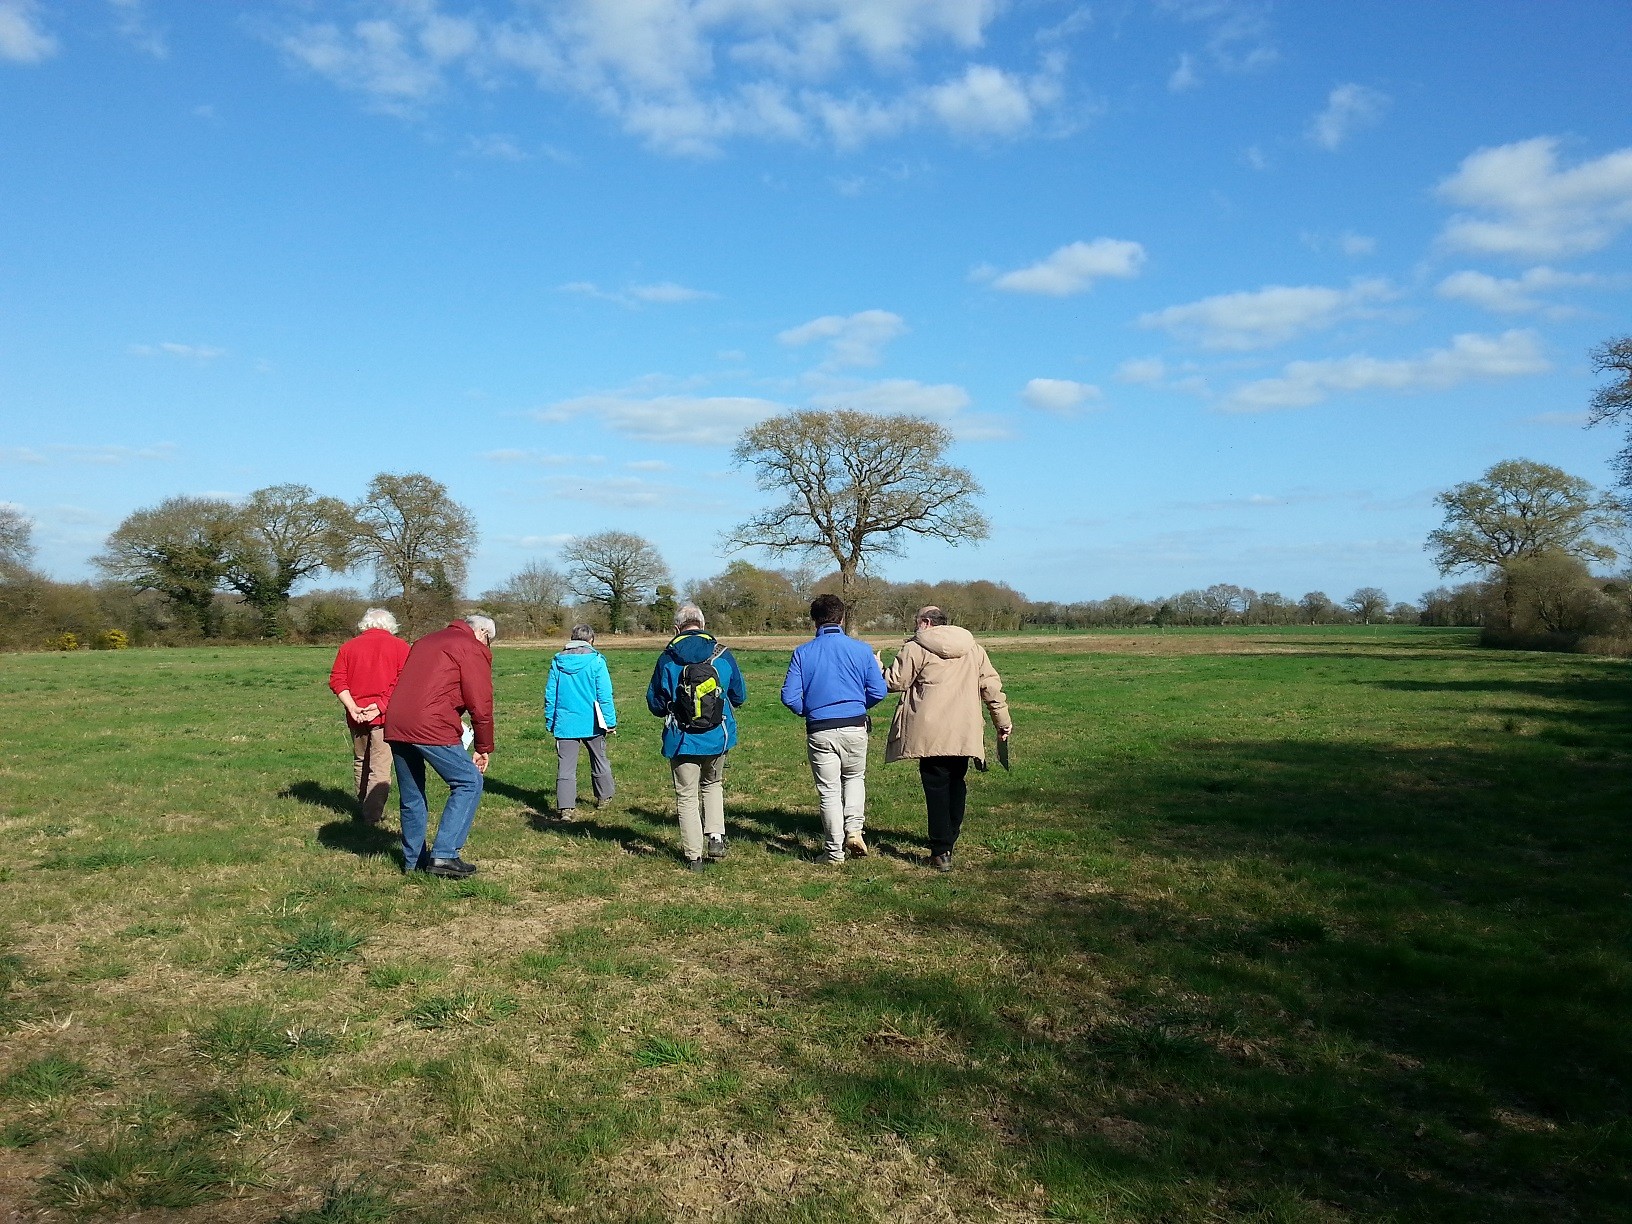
578 679
833 680
694 646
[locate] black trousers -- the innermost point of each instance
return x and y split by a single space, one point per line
944 792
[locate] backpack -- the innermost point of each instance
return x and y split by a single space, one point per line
698 703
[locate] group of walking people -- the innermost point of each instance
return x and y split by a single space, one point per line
406 709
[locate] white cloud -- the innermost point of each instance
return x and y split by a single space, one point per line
1254 157
497 147
1142 370
649 465
1184 77
169 348
1060 395
1074 268
853 340
97 455
688 77
1523 206
132 22
1511 295
536 541
1349 109
668 292
1240 39
22 39
1355 245
939 401
620 492
1268 316
1561 420
541 458
715 420
1305 383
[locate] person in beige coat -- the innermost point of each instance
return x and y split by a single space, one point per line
943 676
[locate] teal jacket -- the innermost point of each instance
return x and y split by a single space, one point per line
693 646
578 681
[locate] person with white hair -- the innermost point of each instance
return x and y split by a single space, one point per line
578 711
449 673
695 689
363 677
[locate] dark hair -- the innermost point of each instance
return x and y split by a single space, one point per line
827 610
933 615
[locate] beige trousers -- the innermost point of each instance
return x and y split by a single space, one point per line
370 769
699 783
838 763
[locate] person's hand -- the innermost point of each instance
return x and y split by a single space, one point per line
878 657
480 760
368 713
1005 733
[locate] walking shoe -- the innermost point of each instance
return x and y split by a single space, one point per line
694 864
836 859
942 861
854 846
451 869
567 815
716 846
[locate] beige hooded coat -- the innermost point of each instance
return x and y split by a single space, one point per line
943 676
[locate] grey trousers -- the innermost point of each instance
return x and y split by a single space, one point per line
838 763
699 783
566 771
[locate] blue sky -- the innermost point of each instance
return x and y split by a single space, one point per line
1208 291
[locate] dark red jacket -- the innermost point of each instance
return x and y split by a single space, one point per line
368 666
448 673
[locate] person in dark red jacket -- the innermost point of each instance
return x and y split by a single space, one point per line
363 676
448 673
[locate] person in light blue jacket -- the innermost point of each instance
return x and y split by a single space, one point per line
696 687
578 710
832 681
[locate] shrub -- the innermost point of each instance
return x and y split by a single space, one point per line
65 641
112 639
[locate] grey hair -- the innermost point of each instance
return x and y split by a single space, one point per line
583 633
483 624
377 618
689 616
932 615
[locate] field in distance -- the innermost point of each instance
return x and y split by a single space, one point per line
1277 925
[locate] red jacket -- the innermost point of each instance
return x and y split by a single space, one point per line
448 673
368 666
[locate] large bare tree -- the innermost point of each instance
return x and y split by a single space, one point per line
614 568
536 593
178 548
856 486
16 542
1614 401
420 541
285 533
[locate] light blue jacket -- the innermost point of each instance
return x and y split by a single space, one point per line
578 681
833 680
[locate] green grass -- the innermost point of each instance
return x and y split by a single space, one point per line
1321 925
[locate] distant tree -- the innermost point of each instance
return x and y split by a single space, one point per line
1222 601
748 599
856 486
1518 508
1272 608
286 533
1368 603
1463 604
615 569
536 594
178 548
1317 606
1403 613
1551 592
16 543
1614 402
419 540
663 607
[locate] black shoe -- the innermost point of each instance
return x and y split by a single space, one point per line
451 869
942 861
694 864
716 846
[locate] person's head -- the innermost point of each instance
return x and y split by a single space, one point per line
583 633
931 615
483 627
688 616
377 618
827 610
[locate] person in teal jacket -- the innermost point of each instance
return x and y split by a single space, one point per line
578 710
697 752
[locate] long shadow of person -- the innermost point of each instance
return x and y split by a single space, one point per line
318 795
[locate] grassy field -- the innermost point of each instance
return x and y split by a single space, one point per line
1325 925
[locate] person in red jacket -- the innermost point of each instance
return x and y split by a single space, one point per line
363 677
448 673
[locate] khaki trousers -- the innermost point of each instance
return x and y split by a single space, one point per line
699 783
838 762
370 769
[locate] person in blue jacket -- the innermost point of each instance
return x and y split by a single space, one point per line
695 689
578 710
832 681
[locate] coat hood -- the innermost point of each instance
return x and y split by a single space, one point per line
573 661
693 647
947 641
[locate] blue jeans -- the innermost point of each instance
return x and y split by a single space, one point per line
464 793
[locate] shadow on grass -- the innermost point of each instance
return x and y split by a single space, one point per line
356 837
318 795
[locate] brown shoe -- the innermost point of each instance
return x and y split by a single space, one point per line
854 846
941 862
